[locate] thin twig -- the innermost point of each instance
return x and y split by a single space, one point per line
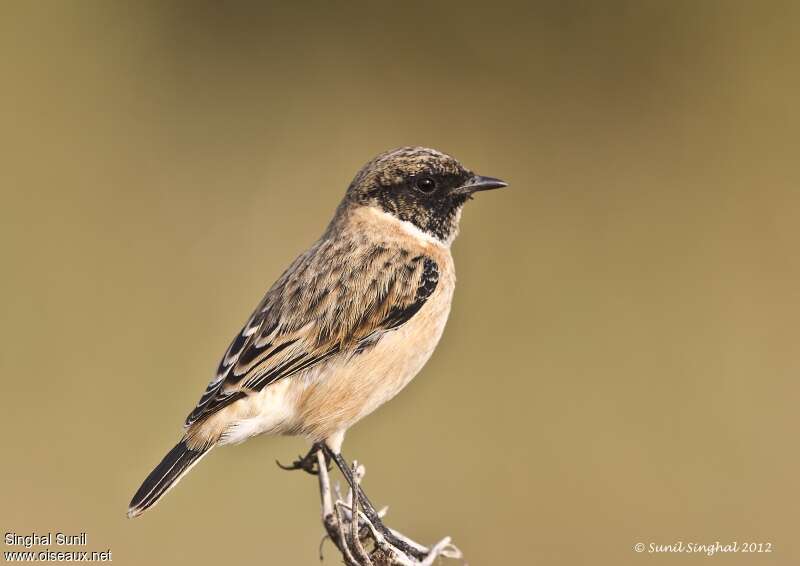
354 531
351 530
346 553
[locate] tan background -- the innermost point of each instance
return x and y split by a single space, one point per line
621 364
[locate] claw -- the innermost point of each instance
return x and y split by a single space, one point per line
296 465
307 463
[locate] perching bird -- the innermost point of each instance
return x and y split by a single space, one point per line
348 324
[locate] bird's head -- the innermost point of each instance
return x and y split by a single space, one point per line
419 185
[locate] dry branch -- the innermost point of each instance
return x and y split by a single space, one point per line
359 542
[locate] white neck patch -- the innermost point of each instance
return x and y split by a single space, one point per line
413 230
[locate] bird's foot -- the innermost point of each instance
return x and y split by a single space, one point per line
307 463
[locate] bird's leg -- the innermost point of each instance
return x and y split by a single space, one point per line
308 463
368 507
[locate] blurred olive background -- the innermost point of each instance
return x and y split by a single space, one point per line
621 364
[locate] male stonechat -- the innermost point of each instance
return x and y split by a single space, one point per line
348 324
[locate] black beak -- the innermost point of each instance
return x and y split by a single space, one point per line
480 183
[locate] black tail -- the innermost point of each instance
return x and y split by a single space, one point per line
172 468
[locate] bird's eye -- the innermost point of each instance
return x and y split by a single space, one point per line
426 184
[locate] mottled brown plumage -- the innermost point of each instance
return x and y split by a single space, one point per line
348 324
331 301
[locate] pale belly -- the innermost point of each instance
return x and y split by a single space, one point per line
332 397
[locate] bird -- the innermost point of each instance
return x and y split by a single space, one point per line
346 327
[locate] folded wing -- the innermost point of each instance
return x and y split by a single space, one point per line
321 307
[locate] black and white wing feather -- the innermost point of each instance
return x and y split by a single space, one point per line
321 307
